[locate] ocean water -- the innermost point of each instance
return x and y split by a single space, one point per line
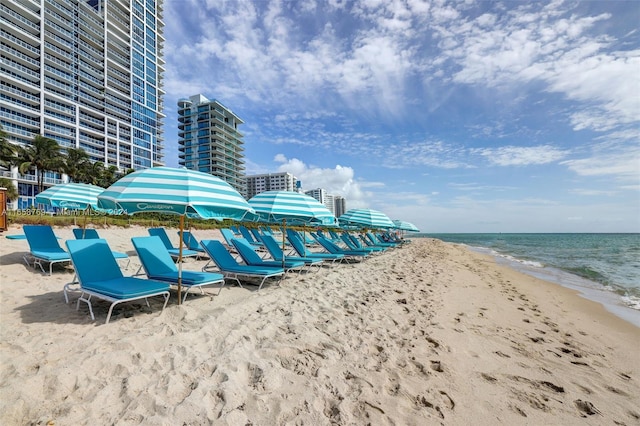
602 267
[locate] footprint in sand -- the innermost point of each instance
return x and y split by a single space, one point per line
586 408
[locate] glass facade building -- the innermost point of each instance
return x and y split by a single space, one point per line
86 73
209 140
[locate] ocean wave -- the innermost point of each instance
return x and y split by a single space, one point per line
588 273
531 263
632 302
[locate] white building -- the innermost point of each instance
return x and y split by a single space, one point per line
271 182
334 203
86 73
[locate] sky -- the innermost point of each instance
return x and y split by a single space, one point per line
462 116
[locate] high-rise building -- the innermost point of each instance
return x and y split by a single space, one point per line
271 182
209 140
322 196
340 206
334 203
86 73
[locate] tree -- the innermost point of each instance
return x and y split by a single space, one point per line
8 150
74 164
109 176
44 155
12 192
92 172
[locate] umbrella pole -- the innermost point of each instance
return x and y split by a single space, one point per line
180 260
284 231
84 222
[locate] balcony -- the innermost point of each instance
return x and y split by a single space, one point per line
19 44
19 21
16 56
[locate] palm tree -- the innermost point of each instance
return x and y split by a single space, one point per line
44 155
7 150
74 163
109 176
92 172
12 192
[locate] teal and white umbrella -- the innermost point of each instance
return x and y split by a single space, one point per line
291 207
73 196
294 207
366 218
405 226
178 191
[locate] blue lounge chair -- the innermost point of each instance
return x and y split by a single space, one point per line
174 252
192 243
256 234
276 252
299 247
250 257
354 244
228 266
158 265
44 247
376 240
331 247
100 277
333 236
246 234
92 234
368 243
228 235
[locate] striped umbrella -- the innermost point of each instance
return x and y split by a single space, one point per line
179 191
292 207
74 196
405 226
296 208
366 218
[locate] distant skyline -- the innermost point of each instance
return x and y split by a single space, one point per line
455 116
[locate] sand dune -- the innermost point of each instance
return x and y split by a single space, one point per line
427 334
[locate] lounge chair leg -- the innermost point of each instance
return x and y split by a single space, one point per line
220 290
166 299
187 292
261 282
110 311
88 302
138 271
37 262
67 288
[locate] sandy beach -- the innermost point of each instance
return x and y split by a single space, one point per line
430 333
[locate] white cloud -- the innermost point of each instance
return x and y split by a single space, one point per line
522 156
551 47
337 181
624 166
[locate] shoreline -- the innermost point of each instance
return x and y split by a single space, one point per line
432 333
591 290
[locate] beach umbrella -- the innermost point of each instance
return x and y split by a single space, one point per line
290 207
295 207
366 218
178 191
405 226
74 196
